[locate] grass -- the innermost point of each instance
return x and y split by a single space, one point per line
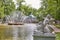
57 36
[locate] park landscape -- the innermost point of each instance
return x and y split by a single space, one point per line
23 22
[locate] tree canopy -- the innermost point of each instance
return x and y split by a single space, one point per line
47 7
51 7
6 7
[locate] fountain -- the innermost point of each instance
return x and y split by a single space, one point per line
14 17
18 31
15 21
44 31
21 32
31 19
21 27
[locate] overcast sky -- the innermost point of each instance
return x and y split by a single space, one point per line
32 3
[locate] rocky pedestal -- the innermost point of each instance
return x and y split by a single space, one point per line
45 36
44 30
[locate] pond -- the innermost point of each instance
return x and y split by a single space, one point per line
16 32
3 34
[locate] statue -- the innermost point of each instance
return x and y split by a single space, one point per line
44 26
30 19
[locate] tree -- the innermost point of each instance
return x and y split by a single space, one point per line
8 6
52 7
1 9
26 9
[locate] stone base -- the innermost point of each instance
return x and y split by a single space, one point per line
45 36
20 23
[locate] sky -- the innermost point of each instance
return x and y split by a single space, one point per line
32 3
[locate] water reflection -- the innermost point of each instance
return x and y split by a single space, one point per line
18 32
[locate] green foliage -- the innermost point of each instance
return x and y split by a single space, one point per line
58 36
51 7
20 1
57 25
47 7
26 9
6 7
1 9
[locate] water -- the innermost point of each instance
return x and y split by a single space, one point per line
25 31
20 32
14 17
30 19
29 31
15 32
18 16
